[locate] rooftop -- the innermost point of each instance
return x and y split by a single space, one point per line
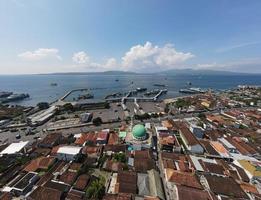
15 147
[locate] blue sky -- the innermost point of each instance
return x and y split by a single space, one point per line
44 36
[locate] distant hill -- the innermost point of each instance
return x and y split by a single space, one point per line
198 72
167 72
93 73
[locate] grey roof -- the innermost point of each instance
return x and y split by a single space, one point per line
143 184
155 184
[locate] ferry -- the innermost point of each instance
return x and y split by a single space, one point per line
160 85
15 97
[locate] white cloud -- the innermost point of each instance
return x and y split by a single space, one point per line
249 65
155 57
81 58
138 58
40 54
111 63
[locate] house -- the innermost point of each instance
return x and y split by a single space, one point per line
155 184
231 148
126 182
143 161
68 153
86 138
51 140
182 178
43 193
220 149
188 193
223 186
82 182
92 151
102 138
169 143
15 148
190 141
25 183
252 168
41 163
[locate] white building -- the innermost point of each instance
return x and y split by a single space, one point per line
68 153
15 148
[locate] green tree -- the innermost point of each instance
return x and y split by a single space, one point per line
43 105
97 189
68 107
97 121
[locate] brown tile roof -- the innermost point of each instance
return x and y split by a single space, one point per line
44 193
126 182
113 166
190 138
86 137
225 186
213 134
51 139
113 138
242 147
167 163
75 195
168 140
120 196
5 196
188 193
143 164
82 182
242 173
247 187
208 148
92 151
212 167
143 154
183 178
41 163
115 148
68 177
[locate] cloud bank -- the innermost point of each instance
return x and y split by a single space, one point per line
139 58
40 54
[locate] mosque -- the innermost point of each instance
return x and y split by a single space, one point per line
139 132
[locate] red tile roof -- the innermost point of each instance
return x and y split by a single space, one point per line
43 193
183 178
39 163
82 182
92 137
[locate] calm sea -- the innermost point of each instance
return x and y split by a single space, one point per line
40 89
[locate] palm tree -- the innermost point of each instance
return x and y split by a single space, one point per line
96 189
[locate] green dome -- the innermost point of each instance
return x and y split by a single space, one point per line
139 131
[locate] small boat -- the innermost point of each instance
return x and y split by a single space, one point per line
160 85
141 89
53 84
116 80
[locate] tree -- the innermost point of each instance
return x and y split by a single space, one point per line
97 189
43 105
68 107
181 103
120 157
97 121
